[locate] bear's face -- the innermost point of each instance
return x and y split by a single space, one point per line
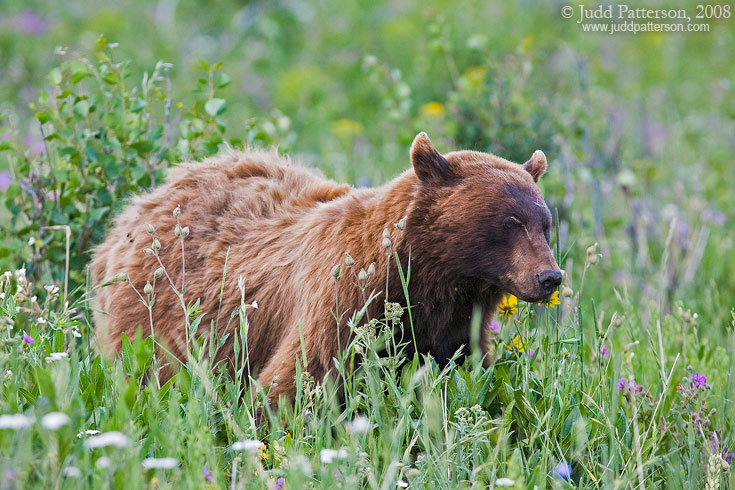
488 218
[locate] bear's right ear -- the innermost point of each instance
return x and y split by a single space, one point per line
428 163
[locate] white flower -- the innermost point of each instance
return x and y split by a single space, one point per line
329 455
359 425
2 296
41 321
504 482
71 472
302 462
56 356
248 445
20 273
51 289
159 463
54 420
75 332
7 274
402 484
103 462
108 439
31 241
89 432
255 305
15 421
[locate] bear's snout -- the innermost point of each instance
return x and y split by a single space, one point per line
549 280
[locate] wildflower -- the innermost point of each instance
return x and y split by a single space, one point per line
54 420
159 463
208 474
494 326
508 306
148 289
108 439
349 261
699 380
71 472
566 291
530 354
563 470
402 484
551 302
279 483
15 421
371 269
57 356
432 109
359 425
621 384
28 339
504 482
517 345
604 351
362 276
103 462
329 455
337 475
251 446
89 432
335 273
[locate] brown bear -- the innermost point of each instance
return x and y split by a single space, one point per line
476 227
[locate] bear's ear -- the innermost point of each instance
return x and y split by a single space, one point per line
536 166
427 162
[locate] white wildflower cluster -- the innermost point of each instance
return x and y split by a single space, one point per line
328 456
159 463
108 439
250 446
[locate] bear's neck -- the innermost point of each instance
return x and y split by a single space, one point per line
442 301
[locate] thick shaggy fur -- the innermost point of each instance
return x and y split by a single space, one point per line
285 228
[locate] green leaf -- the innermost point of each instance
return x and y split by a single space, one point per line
215 107
82 108
55 76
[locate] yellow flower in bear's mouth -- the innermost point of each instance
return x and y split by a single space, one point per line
508 306
552 301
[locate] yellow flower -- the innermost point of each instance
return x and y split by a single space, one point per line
517 345
432 109
552 301
263 452
508 306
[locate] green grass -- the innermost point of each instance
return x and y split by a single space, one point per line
638 131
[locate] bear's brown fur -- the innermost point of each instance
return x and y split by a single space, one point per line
476 227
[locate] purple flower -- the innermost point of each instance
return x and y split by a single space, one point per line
604 351
699 380
28 339
29 22
279 483
563 470
4 180
633 386
621 384
530 354
337 475
494 326
208 474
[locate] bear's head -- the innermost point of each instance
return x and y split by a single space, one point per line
484 218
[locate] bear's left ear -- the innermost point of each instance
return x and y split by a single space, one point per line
428 163
536 166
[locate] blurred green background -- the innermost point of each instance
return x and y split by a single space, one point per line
639 129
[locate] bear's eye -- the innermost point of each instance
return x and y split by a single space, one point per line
511 222
547 235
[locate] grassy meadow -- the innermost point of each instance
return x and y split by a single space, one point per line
624 380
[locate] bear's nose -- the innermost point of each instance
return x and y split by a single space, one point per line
549 280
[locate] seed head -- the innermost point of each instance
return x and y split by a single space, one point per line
177 211
594 259
349 261
362 276
566 291
149 228
335 272
401 225
177 230
185 231
148 289
386 233
150 251
386 243
371 269
591 249
159 273
156 244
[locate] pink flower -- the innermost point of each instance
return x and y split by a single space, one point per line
621 384
28 339
699 380
207 474
279 483
604 351
494 326
530 354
